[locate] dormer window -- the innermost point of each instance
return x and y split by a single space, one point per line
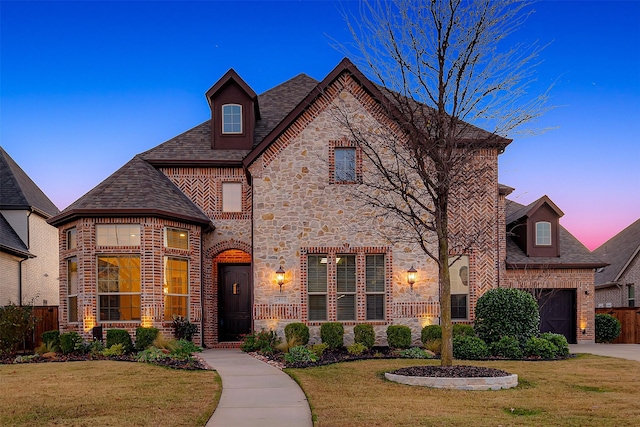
231 119
543 233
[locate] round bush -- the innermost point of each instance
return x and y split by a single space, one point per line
145 337
540 347
297 330
119 336
332 334
462 329
431 333
608 328
469 348
560 341
502 311
507 347
364 334
399 336
70 342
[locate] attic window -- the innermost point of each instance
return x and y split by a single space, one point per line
543 233
231 119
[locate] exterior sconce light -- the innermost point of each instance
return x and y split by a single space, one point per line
411 276
280 277
584 331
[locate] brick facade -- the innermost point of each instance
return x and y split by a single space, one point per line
617 295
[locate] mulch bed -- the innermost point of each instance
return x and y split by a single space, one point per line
192 365
457 371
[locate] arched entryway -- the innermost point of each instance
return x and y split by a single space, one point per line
232 280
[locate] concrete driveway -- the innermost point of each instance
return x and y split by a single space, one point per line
622 351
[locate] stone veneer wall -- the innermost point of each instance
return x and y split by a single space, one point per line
579 279
297 212
152 252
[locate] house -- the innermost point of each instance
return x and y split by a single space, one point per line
249 221
618 283
28 244
543 258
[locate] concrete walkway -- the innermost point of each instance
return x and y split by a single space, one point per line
622 351
255 393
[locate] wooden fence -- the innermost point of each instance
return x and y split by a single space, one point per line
47 316
629 317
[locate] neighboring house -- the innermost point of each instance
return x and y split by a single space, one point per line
248 221
29 250
546 260
618 283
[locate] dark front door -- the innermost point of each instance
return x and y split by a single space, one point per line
558 312
235 301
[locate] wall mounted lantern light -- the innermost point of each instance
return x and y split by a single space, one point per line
280 277
411 276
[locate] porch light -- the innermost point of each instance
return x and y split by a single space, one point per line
280 277
411 276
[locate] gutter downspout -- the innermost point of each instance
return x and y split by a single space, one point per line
20 281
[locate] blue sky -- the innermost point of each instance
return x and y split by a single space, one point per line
86 85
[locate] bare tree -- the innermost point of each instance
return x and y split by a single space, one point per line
441 65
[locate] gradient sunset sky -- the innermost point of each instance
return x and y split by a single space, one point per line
86 85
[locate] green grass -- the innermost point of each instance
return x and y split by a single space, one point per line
105 393
583 391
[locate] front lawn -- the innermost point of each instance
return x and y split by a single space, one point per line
583 391
105 393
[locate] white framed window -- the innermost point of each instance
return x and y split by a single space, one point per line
176 288
459 273
374 288
317 286
543 233
71 238
231 118
118 235
346 287
72 290
231 197
119 287
176 238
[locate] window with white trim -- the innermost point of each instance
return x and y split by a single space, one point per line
543 233
118 287
72 290
339 283
176 287
317 287
176 238
231 118
231 197
118 235
459 274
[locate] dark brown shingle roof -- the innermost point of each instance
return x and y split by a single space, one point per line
136 189
573 254
618 251
18 191
10 242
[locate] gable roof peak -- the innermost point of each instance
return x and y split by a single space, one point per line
228 77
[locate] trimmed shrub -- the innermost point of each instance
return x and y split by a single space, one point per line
469 348
332 334
263 342
462 329
608 328
51 338
119 336
560 341
507 347
503 311
71 342
364 334
298 331
399 336
145 337
300 354
431 333
540 347
356 349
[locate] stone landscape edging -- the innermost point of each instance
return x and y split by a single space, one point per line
477 383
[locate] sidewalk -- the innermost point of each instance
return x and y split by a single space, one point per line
622 351
255 393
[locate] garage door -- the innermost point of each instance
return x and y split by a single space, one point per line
558 312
